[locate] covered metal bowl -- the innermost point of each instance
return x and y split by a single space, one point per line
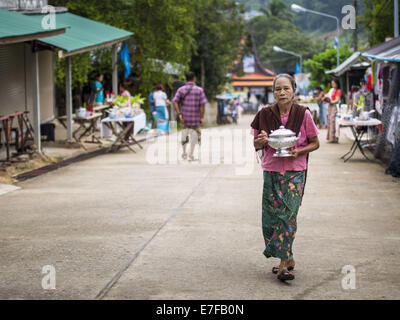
282 140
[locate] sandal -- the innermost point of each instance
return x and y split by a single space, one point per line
285 275
275 269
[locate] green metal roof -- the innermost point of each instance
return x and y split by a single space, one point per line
83 35
15 27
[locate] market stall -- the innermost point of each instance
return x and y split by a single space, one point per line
378 72
125 120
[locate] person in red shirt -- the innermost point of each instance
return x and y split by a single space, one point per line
333 98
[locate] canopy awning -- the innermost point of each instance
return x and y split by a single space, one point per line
387 51
83 35
15 27
346 65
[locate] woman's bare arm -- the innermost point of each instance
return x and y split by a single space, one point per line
312 146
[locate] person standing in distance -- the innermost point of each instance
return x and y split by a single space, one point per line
192 100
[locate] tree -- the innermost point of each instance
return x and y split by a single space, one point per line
162 30
278 9
276 28
325 61
219 29
378 20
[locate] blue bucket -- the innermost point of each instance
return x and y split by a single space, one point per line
163 125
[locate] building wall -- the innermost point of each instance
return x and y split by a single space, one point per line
16 80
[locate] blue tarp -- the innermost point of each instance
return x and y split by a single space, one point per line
126 59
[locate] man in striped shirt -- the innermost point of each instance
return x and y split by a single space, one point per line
193 101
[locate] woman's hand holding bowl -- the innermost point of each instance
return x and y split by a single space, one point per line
294 153
262 140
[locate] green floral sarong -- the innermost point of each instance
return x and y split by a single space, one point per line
282 196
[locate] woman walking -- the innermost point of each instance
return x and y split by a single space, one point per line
333 99
284 178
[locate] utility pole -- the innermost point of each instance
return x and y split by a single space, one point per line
355 32
396 18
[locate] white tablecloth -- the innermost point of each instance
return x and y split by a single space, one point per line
140 123
360 123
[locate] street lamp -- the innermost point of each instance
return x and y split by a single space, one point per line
298 9
277 49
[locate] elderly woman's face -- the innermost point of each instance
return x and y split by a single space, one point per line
283 92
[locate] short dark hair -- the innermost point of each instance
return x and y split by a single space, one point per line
159 87
287 76
291 73
190 76
318 88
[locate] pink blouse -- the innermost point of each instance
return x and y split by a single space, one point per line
126 93
308 131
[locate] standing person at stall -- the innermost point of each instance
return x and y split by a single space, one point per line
333 98
284 178
193 101
322 108
99 90
125 93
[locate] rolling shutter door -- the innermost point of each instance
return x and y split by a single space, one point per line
12 78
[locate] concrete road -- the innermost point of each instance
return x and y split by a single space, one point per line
117 227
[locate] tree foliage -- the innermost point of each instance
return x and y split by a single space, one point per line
276 28
311 23
378 20
325 61
190 33
219 30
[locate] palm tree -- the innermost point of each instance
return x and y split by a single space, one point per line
277 8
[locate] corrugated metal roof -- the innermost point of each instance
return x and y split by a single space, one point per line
83 34
14 26
387 51
346 65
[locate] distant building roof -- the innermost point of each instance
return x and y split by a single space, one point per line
257 84
253 80
252 76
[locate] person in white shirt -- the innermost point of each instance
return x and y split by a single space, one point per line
161 101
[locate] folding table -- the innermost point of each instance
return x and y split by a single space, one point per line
358 130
